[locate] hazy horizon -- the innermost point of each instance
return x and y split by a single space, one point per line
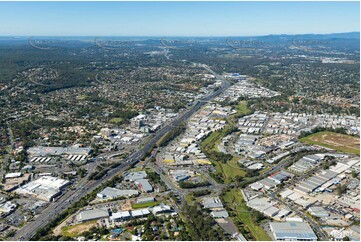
178 19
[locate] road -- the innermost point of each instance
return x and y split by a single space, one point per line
72 196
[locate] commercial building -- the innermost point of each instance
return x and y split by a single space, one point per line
56 151
296 231
45 188
13 175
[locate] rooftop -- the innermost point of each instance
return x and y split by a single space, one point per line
292 230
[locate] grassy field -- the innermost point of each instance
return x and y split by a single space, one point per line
242 110
75 230
144 205
116 121
336 141
230 169
235 200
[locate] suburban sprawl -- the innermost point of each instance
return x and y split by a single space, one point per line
180 139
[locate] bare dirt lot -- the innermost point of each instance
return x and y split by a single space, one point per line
339 142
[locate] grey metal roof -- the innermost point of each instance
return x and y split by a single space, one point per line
110 192
135 175
145 184
220 214
292 230
93 214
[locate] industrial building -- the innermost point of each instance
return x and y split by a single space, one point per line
318 212
113 193
280 177
220 214
145 200
212 202
161 209
144 212
296 231
120 216
144 185
316 181
306 163
92 214
266 184
263 205
133 176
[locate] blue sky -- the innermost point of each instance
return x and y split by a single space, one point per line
176 18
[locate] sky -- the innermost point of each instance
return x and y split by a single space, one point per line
176 18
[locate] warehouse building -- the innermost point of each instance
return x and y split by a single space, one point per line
133 176
113 193
220 214
140 213
144 185
280 177
145 200
266 184
212 202
296 231
120 216
318 211
92 214
260 204
316 181
162 209
306 163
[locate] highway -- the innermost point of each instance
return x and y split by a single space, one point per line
85 186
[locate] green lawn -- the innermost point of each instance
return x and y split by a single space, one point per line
189 199
144 205
230 169
242 108
340 142
235 200
116 121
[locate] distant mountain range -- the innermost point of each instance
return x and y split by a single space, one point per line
271 37
349 35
